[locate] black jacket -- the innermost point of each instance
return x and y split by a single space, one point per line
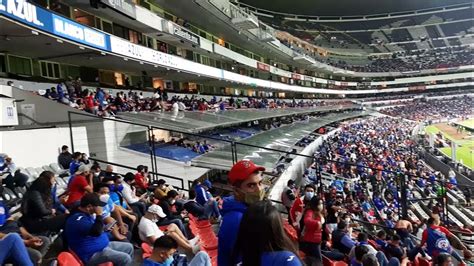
34 208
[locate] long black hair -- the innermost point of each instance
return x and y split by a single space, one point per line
261 230
43 185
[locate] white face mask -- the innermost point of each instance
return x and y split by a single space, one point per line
104 198
172 202
309 195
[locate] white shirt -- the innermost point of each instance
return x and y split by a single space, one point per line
175 107
147 228
129 194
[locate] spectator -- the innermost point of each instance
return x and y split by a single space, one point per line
341 240
81 184
359 253
111 214
288 196
173 214
261 239
296 211
141 181
74 165
65 157
37 246
129 194
149 231
204 197
246 180
362 240
13 249
311 228
162 189
163 249
394 250
86 236
443 259
14 178
38 213
436 239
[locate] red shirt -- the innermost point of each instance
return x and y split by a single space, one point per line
140 181
312 231
298 206
442 229
77 189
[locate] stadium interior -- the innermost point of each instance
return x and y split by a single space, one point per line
236 132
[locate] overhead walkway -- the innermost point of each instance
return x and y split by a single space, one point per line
195 122
283 138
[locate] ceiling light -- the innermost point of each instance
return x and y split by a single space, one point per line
34 32
141 63
59 41
82 47
125 59
103 53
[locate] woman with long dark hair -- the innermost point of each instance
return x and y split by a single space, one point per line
311 232
38 213
262 240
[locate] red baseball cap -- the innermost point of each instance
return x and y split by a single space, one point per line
242 170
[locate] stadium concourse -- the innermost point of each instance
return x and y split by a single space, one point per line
217 133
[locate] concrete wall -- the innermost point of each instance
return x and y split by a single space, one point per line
38 147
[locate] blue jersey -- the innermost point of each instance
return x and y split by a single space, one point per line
77 229
437 242
285 258
4 214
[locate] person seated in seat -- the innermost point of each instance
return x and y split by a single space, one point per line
37 246
81 184
141 180
74 165
174 214
164 251
149 230
162 189
341 240
65 157
13 249
261 239
113 214
362 240
10 176
86 235
138 204
359 253
205 198
37 209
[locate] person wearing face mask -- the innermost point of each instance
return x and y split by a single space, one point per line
149 231
311 228
246 180
111 213
87 238
296 210
164 251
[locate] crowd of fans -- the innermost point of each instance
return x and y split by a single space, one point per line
104 104
104 216
435 109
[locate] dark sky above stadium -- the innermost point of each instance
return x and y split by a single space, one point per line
347 7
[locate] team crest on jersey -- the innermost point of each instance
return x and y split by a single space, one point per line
443 244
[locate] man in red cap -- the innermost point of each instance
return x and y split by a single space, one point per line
246 180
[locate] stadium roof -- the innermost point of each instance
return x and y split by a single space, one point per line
282 138
194 122
348 7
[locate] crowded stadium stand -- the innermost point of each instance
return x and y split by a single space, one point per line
222 133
